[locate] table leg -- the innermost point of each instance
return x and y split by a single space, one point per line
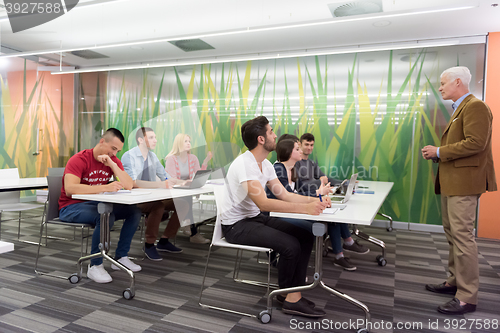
319 229
105 209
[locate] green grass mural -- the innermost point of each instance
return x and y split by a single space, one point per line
376 132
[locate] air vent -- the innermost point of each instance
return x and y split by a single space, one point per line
189 45
88 54
354 8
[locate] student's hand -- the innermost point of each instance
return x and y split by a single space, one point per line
324 179
106 160
316 207
208 158
113 187
328 201
324 189
168 184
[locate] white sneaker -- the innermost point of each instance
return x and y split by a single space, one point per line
98 274
125 261
186 230
199 239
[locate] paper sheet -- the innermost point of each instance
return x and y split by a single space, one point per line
330 210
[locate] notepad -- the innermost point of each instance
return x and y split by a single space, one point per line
129 192
364 192
330 210
118 192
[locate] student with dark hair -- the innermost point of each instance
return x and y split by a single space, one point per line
310 175
143 166
243 222
288 154
89 172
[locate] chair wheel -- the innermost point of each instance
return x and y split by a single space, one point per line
74 278
389 229
381 260
362 330
264 316
128 294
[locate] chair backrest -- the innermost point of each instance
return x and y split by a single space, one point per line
219 192
55 185
56 171
10 196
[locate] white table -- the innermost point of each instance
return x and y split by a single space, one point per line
20 184
360 209
6 247
23 184
105 207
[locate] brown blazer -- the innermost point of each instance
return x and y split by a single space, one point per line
466 160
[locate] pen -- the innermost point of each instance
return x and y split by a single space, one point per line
320 199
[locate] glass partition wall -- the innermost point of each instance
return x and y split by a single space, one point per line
36 117
369 112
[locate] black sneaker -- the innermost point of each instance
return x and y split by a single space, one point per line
152 254
167 247
281 299
302 308
345 263
356 247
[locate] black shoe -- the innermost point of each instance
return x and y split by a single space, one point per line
301 308
441 288
453 307
356 248
281 299
345 263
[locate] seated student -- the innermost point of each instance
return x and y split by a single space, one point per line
288 153
243 223
143 166
308 172
89 172
183 165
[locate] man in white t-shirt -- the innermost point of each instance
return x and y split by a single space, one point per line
243 222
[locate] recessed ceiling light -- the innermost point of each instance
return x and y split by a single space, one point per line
135 47
384 23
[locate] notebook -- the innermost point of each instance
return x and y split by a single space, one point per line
342 199
199 179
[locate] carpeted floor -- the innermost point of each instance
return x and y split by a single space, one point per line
167 292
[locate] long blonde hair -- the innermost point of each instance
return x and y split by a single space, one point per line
178 145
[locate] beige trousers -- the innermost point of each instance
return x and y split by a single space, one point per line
459 215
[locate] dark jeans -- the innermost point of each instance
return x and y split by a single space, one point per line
336 231
291 242
86 212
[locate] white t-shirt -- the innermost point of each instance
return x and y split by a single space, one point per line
237 204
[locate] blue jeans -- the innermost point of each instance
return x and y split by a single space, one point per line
86 212
336 231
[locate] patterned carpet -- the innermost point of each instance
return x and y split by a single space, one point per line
167 292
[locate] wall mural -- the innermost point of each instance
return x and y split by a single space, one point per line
371 116
36 120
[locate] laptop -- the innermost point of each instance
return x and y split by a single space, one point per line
218 173
199 179
342 199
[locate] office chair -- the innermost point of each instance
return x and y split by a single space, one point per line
11 201
218 240
51 216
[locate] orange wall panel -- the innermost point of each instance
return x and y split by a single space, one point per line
489 216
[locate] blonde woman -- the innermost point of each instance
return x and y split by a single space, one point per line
181 164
